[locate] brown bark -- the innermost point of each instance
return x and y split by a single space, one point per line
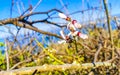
30 70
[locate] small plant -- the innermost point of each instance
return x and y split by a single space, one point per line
2 44
2 61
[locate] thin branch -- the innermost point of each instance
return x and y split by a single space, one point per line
97 53
7 55
22 5
67 12
111 60
28 60
36 6
25 11
109 26
36 13
15 22
81 11
11 8
23 50
36 29
117 24
43 21
18 7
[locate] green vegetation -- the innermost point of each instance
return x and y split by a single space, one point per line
59 54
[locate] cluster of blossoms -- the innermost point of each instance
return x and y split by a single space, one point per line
73 25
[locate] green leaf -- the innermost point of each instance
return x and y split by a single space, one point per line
2 44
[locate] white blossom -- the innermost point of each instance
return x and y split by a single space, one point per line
61 15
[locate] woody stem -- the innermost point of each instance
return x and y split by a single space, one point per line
76 49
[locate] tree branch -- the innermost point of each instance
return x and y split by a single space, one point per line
36 13
22 22
15 21
30 70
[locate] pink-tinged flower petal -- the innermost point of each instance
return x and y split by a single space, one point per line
74 21
83 36
62 34
78 25
61 15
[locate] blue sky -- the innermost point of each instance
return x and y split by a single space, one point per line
72 6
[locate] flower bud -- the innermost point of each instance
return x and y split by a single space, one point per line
62 34
61 15
76 24
84 36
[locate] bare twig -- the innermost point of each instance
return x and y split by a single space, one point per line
22 22
23 49
28 60
116 21
109 26
14 21
34 72
111 60
7 55
18 7
36 6
97 53
22 5
66 10
11 8
35 13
